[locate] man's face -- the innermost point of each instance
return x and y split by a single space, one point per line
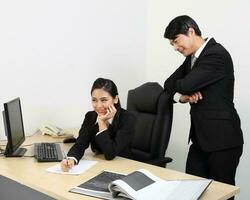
184 44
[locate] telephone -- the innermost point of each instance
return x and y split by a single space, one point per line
51 130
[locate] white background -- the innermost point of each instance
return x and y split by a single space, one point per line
51 51
227 22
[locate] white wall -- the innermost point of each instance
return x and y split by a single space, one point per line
227 22
51 51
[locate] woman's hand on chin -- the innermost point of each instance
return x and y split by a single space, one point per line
111 111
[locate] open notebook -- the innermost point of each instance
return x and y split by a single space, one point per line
141 185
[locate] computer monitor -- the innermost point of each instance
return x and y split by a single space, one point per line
14 130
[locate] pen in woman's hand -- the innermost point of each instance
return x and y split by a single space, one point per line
67 163
64 163
65 157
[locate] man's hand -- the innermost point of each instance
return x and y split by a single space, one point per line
193 98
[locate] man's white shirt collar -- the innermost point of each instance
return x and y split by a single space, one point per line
198 52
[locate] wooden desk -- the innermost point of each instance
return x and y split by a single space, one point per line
28 171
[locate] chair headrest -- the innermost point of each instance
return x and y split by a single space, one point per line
145 97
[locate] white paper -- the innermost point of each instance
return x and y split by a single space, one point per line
82 166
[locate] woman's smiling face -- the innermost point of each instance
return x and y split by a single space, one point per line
101 100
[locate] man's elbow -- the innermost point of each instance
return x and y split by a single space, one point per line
184 89
109 156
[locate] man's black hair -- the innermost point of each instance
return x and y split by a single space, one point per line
180 25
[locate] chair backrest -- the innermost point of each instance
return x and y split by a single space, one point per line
153 111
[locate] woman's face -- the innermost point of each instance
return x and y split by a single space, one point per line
101 100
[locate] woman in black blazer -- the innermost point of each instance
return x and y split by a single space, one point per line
108 128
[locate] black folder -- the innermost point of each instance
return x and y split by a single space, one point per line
10 189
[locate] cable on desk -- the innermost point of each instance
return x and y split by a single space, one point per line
39 142
1 151
29 156
58 142
26 145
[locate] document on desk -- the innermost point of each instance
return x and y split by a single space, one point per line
82 166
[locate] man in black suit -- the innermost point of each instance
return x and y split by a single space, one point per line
206 81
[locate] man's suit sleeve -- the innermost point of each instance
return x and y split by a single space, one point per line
170 83
111 147
210 69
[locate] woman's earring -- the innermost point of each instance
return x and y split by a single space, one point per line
116 100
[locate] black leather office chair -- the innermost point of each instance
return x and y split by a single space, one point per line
153 111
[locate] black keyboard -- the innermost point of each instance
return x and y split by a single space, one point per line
48 152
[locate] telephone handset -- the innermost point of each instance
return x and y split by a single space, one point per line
51 130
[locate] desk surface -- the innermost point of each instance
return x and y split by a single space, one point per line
28 171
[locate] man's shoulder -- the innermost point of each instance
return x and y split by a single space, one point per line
214 47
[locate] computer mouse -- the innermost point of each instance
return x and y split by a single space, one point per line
70 139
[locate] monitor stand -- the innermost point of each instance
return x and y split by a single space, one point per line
18 153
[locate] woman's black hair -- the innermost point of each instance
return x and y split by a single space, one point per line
180 25
108 86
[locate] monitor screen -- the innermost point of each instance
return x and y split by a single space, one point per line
14 130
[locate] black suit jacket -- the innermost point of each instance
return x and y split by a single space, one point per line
111 142
215 124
